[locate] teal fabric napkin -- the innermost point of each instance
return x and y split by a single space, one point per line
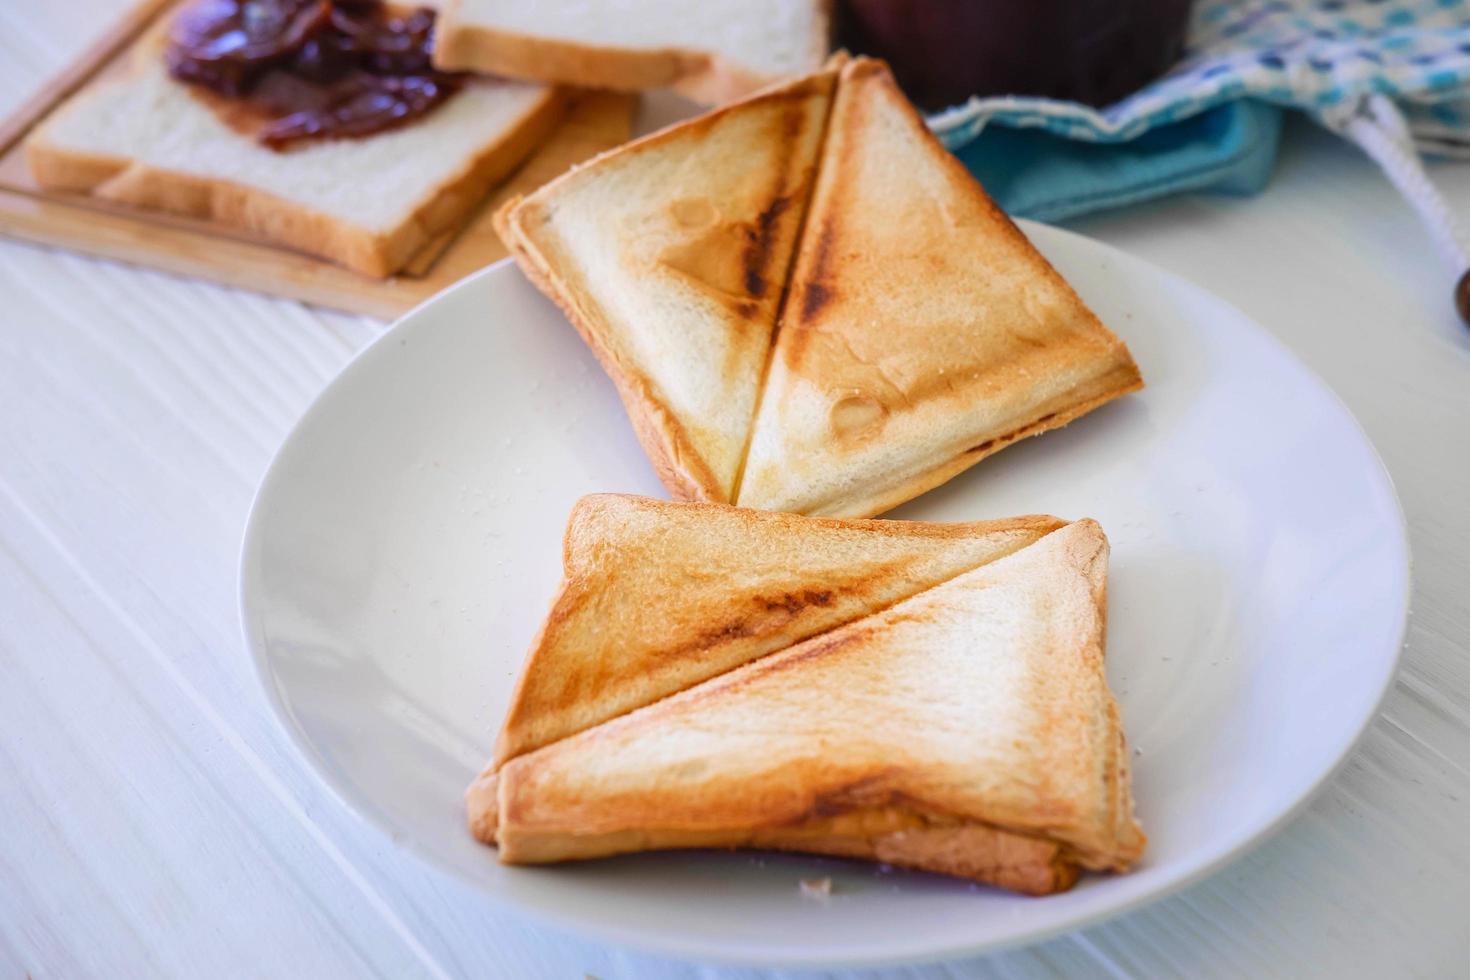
1034 173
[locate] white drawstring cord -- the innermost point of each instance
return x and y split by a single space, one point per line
1378 128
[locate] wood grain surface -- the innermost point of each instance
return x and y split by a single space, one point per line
156 822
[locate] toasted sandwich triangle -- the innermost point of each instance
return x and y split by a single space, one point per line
921 330
670 256
658 596
967 730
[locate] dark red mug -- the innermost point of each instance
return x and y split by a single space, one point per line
1092 51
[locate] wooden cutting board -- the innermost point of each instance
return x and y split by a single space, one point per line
595 122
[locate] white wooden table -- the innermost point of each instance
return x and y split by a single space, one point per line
154 822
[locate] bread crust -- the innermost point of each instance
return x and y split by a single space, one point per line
704 76
243 208
893 835
474 47
903 838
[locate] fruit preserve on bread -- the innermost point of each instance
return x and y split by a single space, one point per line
291 70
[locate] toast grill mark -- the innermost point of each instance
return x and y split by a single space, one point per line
822 645
814 297
817 293
705 259
702 257
767 613
795 602
757 254
1020 433
800 194
763 614
865 793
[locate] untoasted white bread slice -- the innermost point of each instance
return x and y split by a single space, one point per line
922 331
369 204
968 730
669 255
658 596
712 51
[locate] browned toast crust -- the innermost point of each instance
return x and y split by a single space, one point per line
677 464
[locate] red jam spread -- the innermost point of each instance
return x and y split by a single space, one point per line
309 69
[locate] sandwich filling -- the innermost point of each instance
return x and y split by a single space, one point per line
285 71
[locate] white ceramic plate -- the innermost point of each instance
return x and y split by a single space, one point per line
407 540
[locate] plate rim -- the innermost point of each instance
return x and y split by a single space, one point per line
674 945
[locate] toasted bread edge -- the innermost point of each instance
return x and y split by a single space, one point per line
678 465
704 76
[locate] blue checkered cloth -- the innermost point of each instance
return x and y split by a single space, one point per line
1318 56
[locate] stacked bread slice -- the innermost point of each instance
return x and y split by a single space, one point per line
147 140
928 695
711 51
809 305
